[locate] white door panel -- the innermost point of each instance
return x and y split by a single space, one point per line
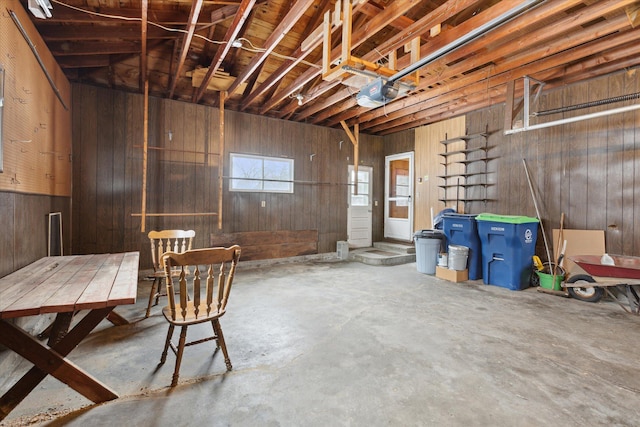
359 220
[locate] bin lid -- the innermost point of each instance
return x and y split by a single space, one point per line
468 217
512 219
429 234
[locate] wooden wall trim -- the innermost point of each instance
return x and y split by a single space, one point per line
258 245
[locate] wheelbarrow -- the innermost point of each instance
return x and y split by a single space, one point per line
591 287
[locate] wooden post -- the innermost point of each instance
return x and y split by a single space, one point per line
355 139
221 158
145 132
145 149
346 31
508 108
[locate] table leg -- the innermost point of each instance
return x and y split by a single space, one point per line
51 361
117 319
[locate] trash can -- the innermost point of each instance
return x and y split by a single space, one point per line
462 229
508 244
458 256
428 245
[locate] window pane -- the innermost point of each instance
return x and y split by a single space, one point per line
360 200
261 174
246 167
277 170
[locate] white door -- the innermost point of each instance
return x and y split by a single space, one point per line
398 197
359 220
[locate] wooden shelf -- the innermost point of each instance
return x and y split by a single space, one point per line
479 184
462 175
447 156
464 138
465 151
465 200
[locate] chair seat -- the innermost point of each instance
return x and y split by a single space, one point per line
191 318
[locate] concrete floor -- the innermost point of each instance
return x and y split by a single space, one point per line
341 343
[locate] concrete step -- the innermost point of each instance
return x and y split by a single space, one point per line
400 247
376 256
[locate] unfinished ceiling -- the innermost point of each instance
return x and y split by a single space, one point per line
184 49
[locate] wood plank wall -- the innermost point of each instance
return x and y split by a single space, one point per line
107 139
429 165
24 219
36 125
590 170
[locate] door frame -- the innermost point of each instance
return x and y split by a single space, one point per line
399 229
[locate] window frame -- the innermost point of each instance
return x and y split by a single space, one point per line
233 179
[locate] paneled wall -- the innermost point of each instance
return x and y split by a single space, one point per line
24 219
590 170
429 166
35 125
183 172
35 143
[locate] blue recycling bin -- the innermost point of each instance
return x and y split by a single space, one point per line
462 229
508 245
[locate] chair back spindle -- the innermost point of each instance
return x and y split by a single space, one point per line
161 242
193 265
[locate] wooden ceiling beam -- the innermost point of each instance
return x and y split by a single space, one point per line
398 8
376 23
294 14
93 61
168 17
473 50
196 6
527 62
243 12
289 64
451 108
59 48
587 64
502 45
107 32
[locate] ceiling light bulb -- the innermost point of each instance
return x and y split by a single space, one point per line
236 43
299 97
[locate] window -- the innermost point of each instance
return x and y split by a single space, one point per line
362 198
261 174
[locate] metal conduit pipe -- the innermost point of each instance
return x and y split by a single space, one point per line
588 104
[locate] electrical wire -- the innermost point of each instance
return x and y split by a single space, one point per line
253 48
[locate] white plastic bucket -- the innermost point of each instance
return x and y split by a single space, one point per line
458 257
442 260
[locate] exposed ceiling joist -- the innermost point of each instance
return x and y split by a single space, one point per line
559 42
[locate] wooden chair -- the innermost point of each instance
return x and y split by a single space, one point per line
198 303
161 242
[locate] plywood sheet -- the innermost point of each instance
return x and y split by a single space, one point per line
579 242
36 136
428 165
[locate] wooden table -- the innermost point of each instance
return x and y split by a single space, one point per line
63 285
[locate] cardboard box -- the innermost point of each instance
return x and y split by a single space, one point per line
452 275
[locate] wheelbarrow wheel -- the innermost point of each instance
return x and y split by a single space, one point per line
587 294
